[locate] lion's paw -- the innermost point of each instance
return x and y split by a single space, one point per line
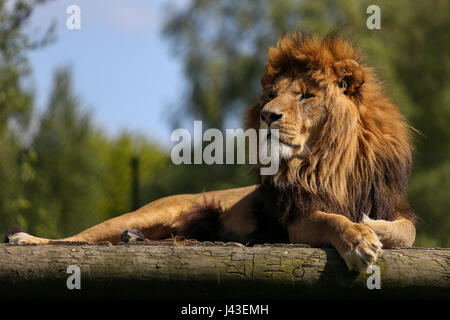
359 247
21 238
131 236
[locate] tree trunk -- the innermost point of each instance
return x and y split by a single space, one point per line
216 271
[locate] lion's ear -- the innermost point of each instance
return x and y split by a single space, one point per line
350 75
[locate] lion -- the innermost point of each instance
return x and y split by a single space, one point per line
345 158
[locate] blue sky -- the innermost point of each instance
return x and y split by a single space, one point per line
124 69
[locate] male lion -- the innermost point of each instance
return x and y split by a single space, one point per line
345 159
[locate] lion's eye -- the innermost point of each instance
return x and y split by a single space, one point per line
271 96
305 95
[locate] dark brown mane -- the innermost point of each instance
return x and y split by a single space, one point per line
361 161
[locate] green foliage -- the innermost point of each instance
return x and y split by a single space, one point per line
67 175
15 109
15 100
224 46
81 177
66 185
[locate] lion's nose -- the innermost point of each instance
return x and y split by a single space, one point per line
269 117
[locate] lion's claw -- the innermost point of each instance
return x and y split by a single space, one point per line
360 247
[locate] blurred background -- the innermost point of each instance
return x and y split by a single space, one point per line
86 114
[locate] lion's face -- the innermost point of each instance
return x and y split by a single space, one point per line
295 107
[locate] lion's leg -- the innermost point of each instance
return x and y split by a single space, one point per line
399 233
355 242
157 220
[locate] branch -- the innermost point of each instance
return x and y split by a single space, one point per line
215 271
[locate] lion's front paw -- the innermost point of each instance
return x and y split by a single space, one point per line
359 246
21 238
131 236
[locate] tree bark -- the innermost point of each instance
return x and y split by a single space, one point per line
163 270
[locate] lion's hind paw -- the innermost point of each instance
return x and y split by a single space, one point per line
132 236
21 238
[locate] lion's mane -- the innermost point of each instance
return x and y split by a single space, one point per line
360 162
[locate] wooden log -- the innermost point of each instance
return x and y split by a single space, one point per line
162 270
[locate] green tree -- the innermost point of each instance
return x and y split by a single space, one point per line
66 184
117 173
16 103
15 100
81 176
224 48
